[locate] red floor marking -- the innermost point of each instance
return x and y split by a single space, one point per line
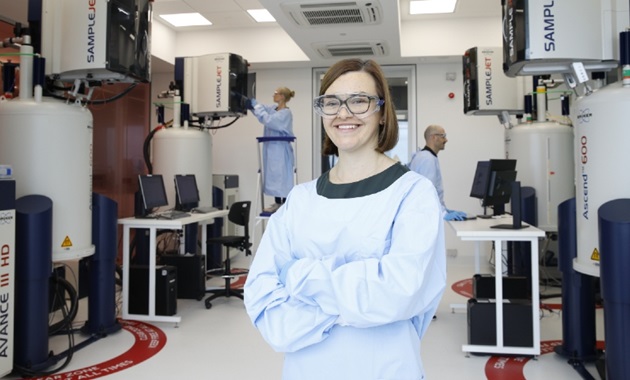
551 306
149 341
463 288
511 368
239 283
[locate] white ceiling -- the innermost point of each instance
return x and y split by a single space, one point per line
232 14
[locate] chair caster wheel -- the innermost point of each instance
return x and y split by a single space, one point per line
208 304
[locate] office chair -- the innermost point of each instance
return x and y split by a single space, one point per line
239 215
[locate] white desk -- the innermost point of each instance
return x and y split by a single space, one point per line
153 225
479 230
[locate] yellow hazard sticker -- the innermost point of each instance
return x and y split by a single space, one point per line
595 255
66 242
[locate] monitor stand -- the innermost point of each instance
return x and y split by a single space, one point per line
516 210
497 210
510 226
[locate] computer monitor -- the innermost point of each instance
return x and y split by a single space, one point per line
493 183
186 192
152 191
481 180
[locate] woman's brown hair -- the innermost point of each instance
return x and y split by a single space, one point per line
388 129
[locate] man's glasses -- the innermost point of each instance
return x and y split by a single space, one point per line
442 135
328 106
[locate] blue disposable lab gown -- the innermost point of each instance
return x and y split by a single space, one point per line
366 278
278 160
426 163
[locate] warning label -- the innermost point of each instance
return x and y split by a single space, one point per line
67 243
595 255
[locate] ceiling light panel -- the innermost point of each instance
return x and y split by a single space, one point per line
419 7
185 19
261 15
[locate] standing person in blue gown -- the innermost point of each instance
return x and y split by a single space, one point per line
425 162
350 271
278 157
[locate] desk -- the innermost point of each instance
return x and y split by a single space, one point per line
153 225
479 230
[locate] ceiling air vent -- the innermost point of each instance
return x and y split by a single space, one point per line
359 49
334 13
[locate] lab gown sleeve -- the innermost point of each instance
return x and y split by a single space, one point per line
426 163
360 262
286 323
278 121
371 291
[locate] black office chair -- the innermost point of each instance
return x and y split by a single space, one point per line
239 215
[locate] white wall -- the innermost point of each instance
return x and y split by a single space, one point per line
163 42
470 138
269 44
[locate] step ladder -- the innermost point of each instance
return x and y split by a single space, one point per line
263 216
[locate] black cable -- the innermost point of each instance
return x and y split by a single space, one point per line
74 304
146 149
68 317
578 365
115 97
224 125
547 296
119 274
98 101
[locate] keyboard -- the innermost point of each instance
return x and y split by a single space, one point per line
171 214
204 210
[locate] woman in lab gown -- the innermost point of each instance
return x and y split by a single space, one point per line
349 273
278 157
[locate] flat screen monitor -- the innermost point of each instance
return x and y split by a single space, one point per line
152 191
493 183
481 180
186 191
500 189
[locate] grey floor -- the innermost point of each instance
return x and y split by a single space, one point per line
221 343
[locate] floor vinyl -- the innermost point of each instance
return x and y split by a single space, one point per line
221 343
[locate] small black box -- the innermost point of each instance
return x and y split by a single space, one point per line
514 287
7 196
517 323
165 290
191 274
